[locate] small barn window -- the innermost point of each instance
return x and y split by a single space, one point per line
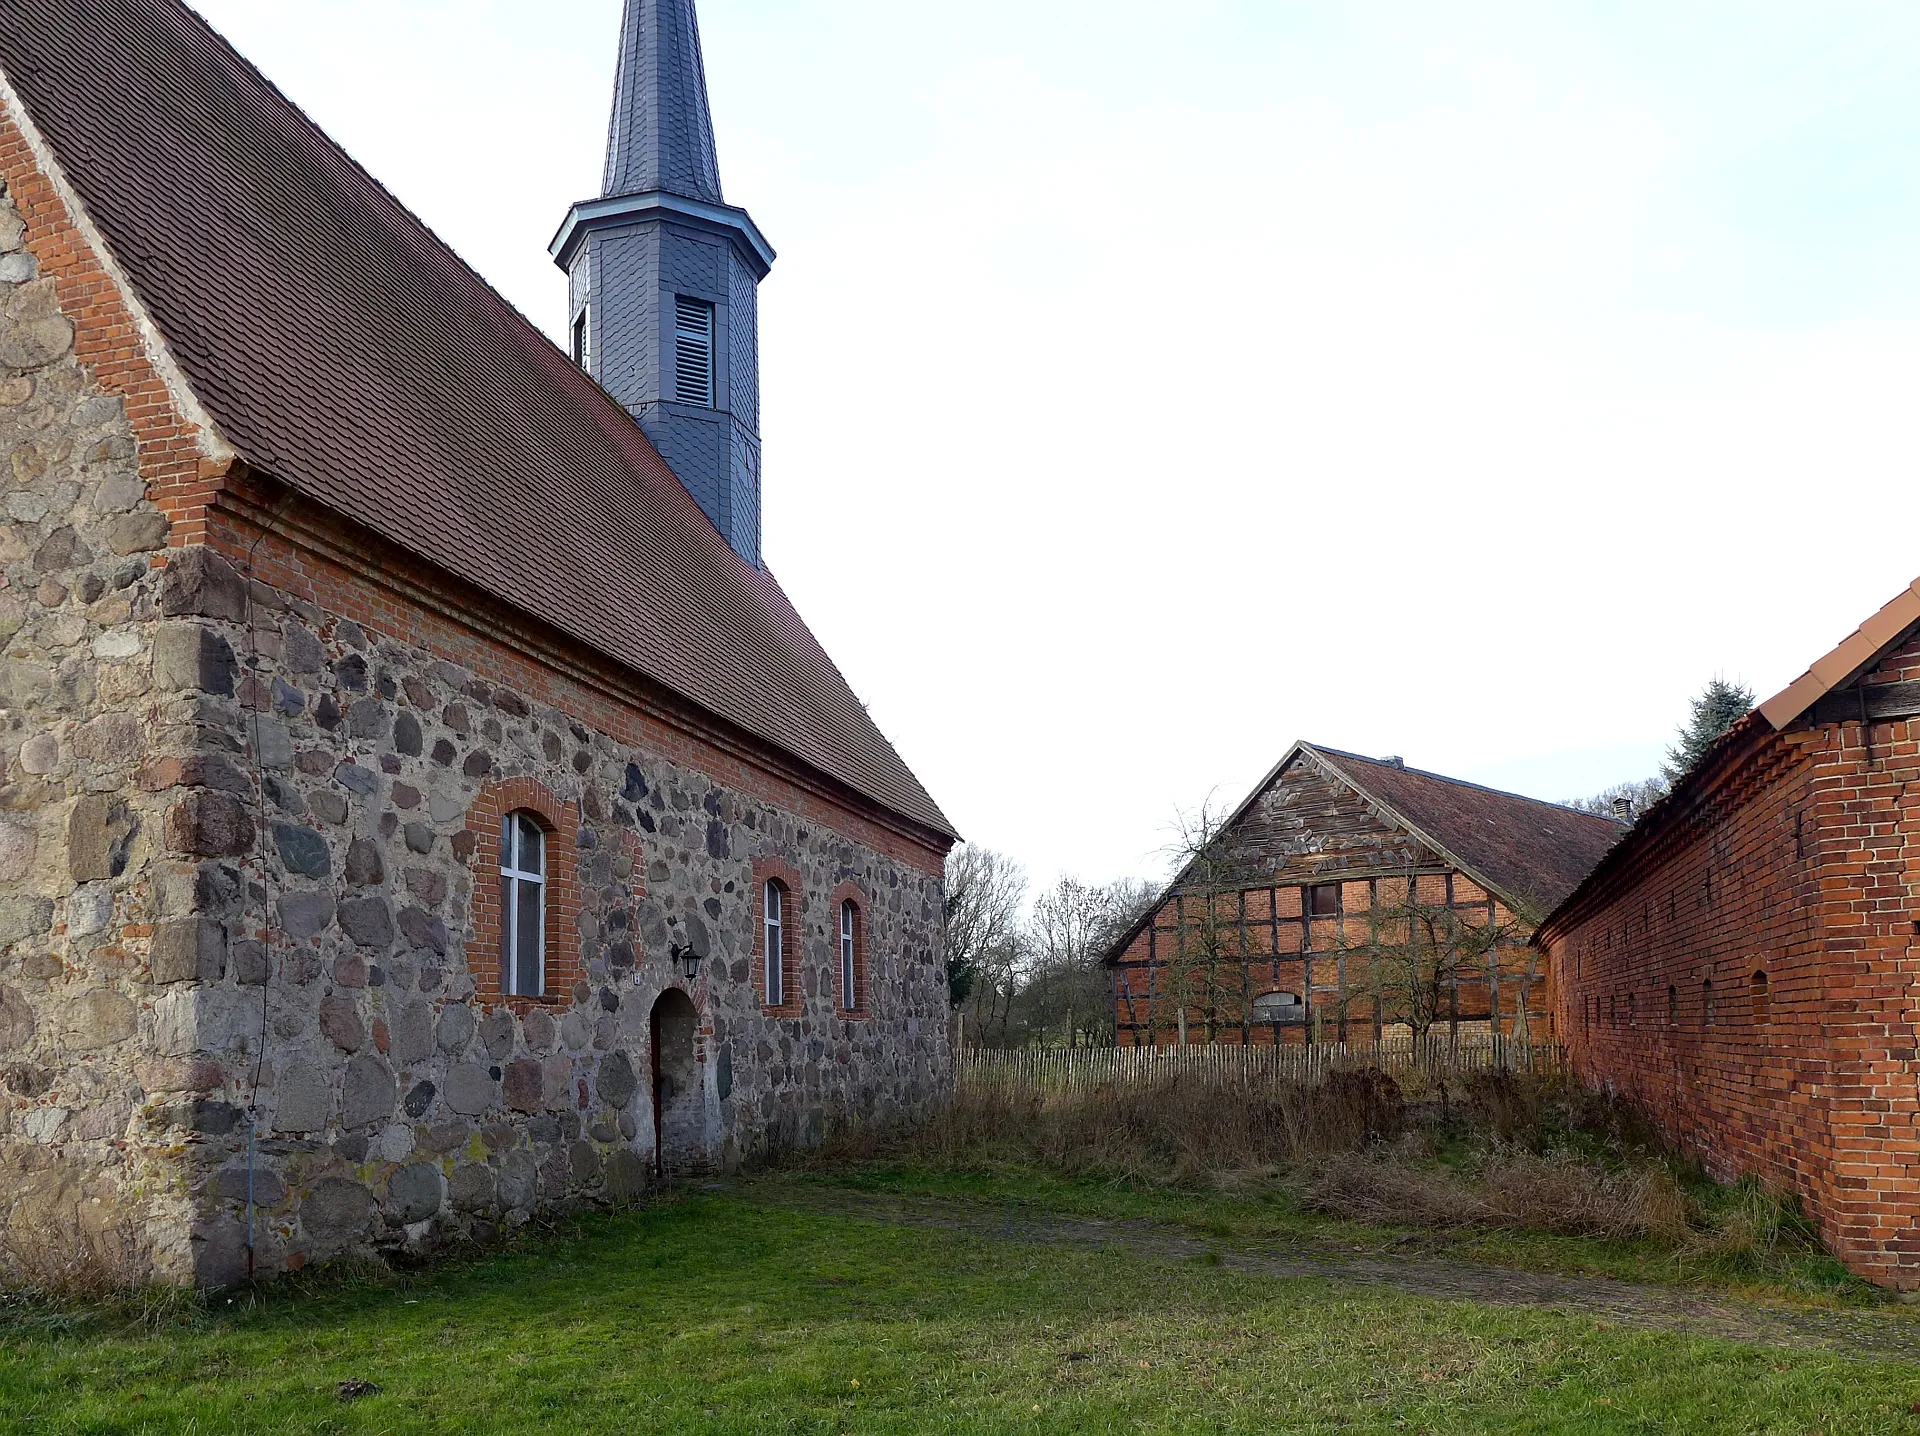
583 338
693 351
523 905
1758 984
1673 1004
1632 1019
1706 1002
1279 1007
774 940
1324 900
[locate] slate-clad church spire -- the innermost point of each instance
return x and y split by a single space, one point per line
662 131
663 275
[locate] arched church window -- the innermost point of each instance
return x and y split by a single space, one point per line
849 954
774 943
523 905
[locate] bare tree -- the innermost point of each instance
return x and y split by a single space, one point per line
1419 947
1067 994
1637 797
1208 938
985 946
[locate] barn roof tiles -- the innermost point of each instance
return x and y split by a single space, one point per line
1530 850
343 349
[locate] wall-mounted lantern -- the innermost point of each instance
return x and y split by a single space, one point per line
688 957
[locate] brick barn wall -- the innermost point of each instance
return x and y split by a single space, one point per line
1793 862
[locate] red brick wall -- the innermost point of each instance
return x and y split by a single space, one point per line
1792 857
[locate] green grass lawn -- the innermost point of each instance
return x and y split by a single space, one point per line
1797 1274
728 1312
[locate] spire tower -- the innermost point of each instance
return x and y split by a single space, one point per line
663 275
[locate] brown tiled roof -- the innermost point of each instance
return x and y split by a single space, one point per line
343 349
1533 851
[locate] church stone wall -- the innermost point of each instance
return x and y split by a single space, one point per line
399 1096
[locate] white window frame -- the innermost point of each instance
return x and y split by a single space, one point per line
849 917
773 938
512 876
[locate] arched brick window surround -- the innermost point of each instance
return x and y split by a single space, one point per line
792 920
562 824
845 893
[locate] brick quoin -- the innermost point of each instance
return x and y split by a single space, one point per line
1746 973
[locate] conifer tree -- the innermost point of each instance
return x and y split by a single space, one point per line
1720 705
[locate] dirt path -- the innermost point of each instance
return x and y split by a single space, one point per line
1881 1335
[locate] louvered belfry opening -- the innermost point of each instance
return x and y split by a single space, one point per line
692 351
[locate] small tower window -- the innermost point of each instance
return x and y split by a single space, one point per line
523 905
583 339
693 351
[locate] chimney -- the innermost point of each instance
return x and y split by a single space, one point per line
1394 761
1623 809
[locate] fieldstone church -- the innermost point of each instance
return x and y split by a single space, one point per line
420 803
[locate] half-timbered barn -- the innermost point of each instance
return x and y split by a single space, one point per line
1351 899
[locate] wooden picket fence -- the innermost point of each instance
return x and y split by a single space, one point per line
1079 1069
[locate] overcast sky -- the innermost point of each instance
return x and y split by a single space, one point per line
1149 384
